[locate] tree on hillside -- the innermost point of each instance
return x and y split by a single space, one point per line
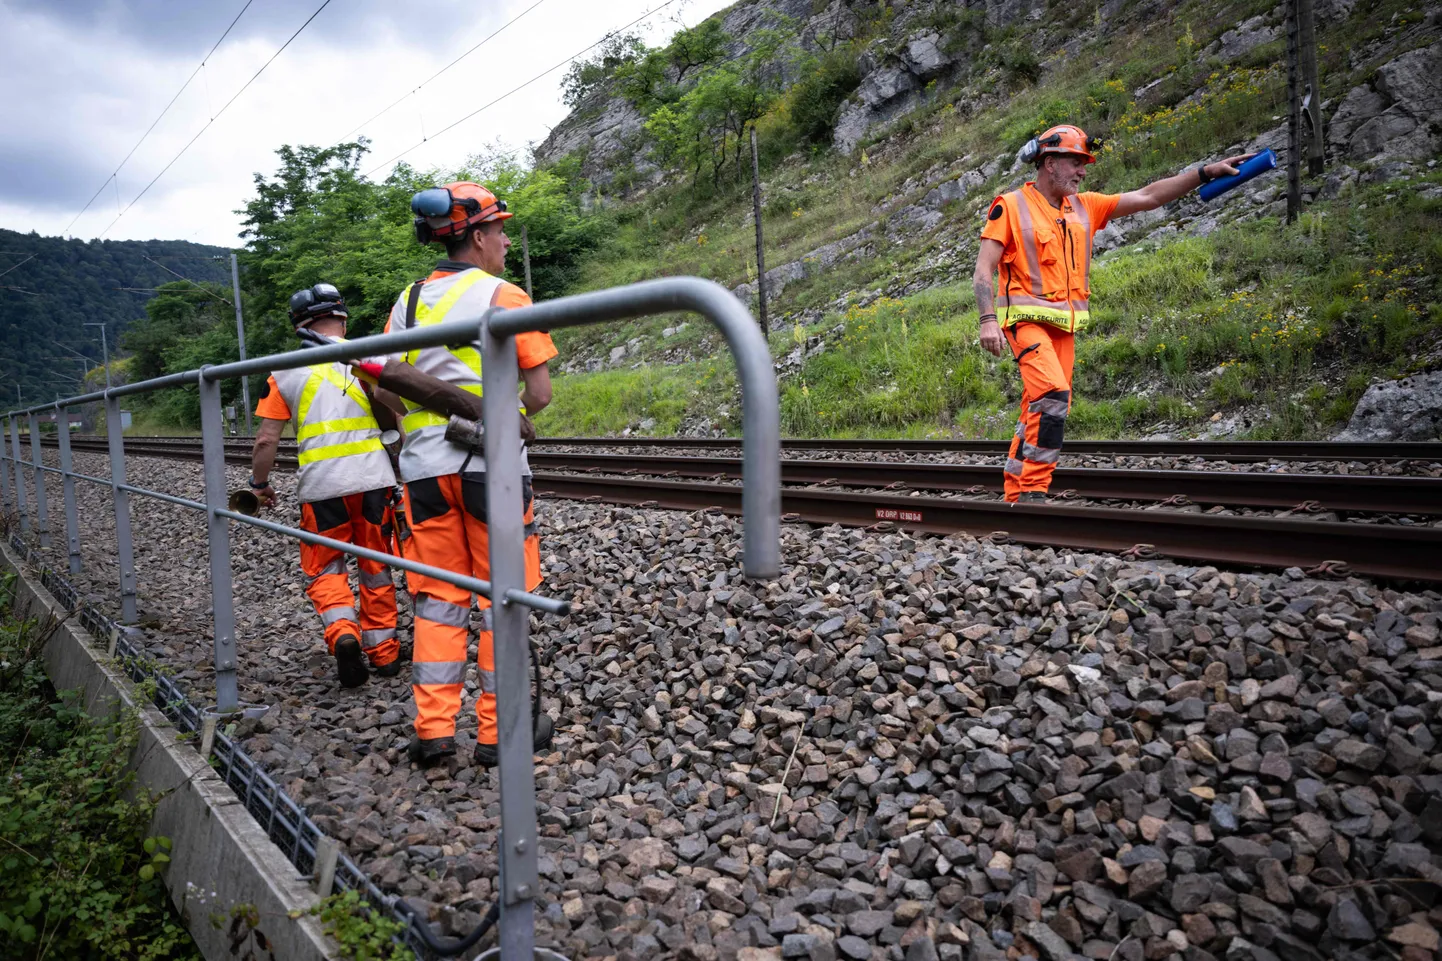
583 77
178 313
53 287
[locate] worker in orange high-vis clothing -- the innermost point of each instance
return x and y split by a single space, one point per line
345 487
445 487
1039 239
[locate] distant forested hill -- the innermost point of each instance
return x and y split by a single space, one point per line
46 300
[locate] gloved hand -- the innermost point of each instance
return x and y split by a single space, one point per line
528 428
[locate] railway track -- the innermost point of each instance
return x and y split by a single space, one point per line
1374 549
1240 451
1304 493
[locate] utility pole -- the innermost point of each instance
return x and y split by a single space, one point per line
104 352
760 247
240 337
526 256
1294 118
1312 103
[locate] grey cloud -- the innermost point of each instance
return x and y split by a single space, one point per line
185 28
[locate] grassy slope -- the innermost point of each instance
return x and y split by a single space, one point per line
1294 321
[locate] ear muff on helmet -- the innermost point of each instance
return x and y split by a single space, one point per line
435 203
315 302
1033 149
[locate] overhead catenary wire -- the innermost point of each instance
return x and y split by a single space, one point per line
416 89
115 174
523 86
13 266
213 119
187 280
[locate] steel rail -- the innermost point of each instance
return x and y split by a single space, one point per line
1345 492
1240 451
1306 492
1405 553
1211 450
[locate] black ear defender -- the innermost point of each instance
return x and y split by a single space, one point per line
1032 148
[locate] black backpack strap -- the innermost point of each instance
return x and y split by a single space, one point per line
411 302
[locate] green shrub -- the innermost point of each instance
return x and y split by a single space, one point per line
82 875
817 98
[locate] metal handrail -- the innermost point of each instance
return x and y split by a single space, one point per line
494 334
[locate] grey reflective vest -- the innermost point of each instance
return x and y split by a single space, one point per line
464 294
339 442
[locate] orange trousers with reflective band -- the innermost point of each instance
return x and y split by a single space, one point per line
1044 354
447 517
363 520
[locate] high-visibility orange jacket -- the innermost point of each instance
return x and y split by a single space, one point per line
1045 270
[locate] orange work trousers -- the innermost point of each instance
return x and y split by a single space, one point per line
447 517
363 520
1044 354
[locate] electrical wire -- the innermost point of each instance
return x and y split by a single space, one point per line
433 76
188 281
158 119
217 116
523 86
13 266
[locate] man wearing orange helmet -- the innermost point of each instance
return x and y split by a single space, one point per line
445 500
1039 237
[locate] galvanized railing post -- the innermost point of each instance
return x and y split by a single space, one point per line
124 549
509 626
222 602
42 508
7 503
20 505
67 485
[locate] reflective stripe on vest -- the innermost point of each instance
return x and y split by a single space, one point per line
426 316
1067 312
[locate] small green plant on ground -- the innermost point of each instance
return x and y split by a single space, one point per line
82 875
362 933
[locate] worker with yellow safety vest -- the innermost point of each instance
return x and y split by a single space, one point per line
345 487
445 492
1039 238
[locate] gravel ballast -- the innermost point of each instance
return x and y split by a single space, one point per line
904 747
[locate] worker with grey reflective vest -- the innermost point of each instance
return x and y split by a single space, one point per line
445 482
345 487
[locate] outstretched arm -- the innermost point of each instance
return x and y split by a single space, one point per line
1162 192
982 282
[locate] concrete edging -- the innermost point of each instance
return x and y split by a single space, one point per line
216 844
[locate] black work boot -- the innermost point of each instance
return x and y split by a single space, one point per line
486 754
350 663
388 670
1031 497
426 751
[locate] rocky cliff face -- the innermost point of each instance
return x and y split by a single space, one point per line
1392 116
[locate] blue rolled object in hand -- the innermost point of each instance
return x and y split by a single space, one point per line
1261 163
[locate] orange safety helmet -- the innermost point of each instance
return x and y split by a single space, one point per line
1062 139
450 210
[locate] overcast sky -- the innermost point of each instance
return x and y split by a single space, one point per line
85 78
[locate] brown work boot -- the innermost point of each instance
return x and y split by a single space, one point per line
350 663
